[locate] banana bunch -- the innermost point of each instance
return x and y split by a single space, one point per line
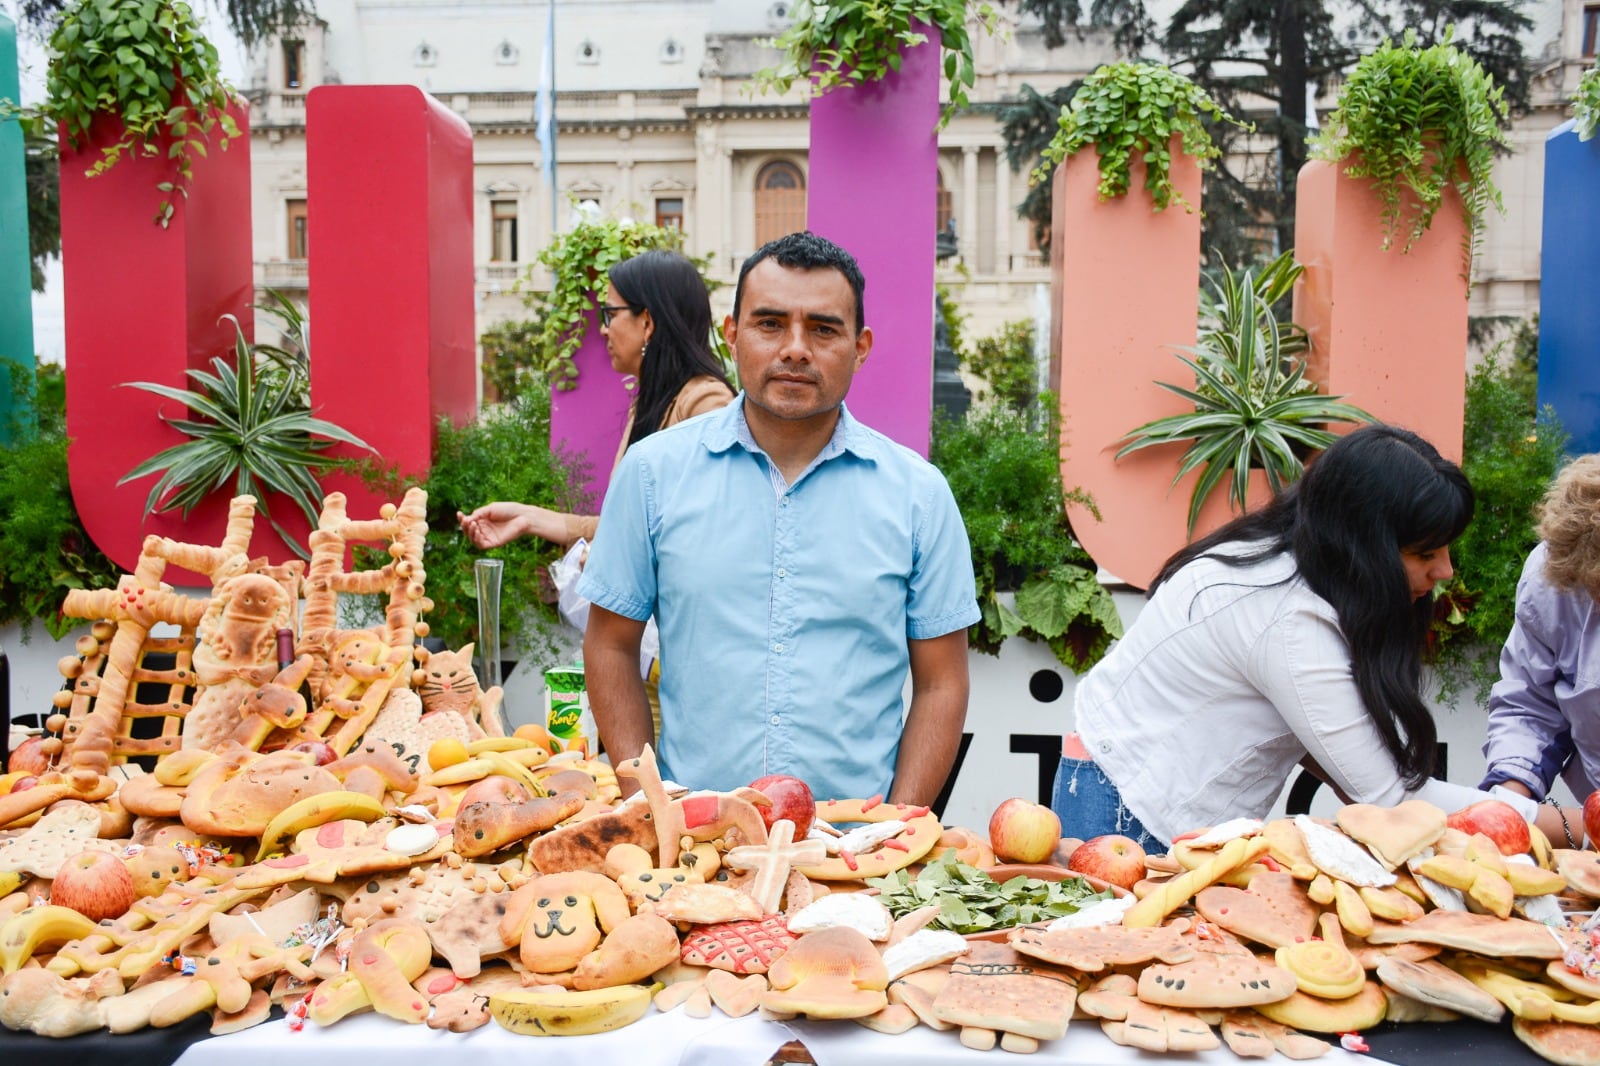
598 1010
28 931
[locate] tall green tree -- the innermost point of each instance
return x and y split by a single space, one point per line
1261 58
40 171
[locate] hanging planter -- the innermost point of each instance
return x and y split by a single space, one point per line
1420 122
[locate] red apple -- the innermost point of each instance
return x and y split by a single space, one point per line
1025 832
1497 820
321 751
29 756
791 798
1112 858
96 884
1591 818
22 784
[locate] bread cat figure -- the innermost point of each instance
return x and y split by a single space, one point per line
447 684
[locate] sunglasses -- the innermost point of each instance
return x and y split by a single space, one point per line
608 312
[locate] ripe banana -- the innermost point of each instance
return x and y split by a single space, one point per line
10 881
30 930
311 812
1540 847
500 763
598 1010
460 773
497 744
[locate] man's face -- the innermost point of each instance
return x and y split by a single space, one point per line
795 340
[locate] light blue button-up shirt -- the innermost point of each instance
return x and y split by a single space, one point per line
784 609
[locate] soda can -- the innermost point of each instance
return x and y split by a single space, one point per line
567 715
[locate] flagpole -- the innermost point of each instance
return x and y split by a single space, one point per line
550 44
544 116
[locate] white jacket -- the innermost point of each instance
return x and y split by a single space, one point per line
1227 679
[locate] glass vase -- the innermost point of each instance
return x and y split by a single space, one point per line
487 574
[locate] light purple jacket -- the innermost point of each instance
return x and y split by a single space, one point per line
1547 700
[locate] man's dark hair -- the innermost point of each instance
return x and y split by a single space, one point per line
806 251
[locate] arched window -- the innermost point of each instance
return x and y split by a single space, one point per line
780 201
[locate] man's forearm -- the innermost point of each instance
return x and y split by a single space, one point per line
617 698
929 744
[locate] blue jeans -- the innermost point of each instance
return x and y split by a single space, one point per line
1089 805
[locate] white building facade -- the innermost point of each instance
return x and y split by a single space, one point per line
657 121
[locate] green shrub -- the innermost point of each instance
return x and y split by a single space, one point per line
1006 477
1510 456
502 456
511 351
44 549
1006 363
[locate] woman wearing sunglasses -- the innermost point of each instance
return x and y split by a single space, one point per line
657 325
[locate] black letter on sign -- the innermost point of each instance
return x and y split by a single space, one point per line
955 772
1048 748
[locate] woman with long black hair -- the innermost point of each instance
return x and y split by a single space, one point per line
1291 636
657 325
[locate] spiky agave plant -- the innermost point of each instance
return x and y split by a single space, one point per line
253 430
1253 407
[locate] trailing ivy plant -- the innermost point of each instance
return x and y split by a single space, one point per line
1004 469
146 63
1128 110
1253 407
44 550
579 260
254 436
1418 121
853 42
1586 103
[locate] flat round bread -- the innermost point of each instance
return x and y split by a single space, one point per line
1566 1043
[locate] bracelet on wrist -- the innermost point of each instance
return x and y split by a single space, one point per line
1566 827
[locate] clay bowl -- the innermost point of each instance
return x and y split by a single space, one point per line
1002 874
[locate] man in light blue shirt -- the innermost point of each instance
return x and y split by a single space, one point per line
797 562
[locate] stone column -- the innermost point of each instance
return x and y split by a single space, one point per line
1004 213
967 223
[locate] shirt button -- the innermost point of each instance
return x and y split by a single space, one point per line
778 648
774 719
782 572
1104 747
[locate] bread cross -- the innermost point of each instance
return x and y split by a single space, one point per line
772 861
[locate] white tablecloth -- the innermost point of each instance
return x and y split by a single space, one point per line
673 1039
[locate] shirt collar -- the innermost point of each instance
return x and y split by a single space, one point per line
849 435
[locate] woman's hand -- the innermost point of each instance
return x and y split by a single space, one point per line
498 523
